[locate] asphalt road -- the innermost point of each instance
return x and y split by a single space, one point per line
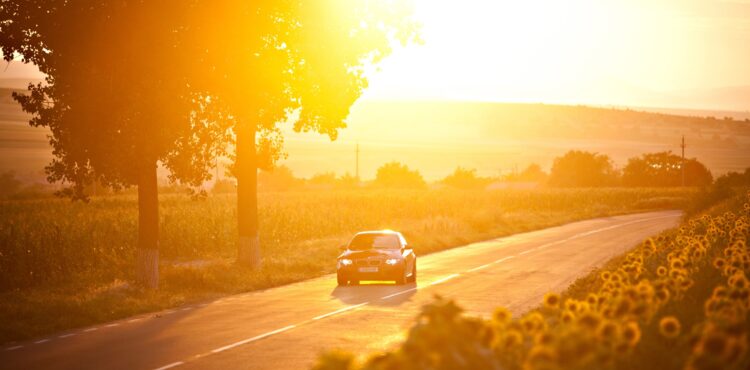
287 327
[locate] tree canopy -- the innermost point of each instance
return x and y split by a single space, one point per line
582 169
117 96
397 175
463 178
665 169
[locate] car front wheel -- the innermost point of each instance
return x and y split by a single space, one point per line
341 279
401 279
413 277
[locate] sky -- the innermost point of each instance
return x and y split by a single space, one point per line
648 53
675 53
689 54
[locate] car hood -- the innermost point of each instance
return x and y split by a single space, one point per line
385 253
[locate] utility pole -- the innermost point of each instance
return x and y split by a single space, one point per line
356 170
682 165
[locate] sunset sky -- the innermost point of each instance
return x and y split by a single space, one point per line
690 54
672 53
622 52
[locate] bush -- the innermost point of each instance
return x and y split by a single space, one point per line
463 178
582 169
397 175
664 169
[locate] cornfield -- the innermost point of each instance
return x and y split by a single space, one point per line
45 242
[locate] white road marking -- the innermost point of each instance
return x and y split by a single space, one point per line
339 311
504 259
13 348
481 267
41 341
187 309
399 293
248 340
90 330
174 364
67 335
581 235
440 281
135 320
112 325
616 226
526 251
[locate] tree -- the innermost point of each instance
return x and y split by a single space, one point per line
397 175
463 178
664 169
279 178
532 173
582 169
303 61
116 99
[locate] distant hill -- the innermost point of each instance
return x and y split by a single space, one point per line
436 137
494 138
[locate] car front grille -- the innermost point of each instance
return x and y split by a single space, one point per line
367 262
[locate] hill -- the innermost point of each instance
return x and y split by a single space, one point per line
435 137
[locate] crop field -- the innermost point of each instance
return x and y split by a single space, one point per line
76 259
684 293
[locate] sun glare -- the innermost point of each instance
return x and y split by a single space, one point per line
566 52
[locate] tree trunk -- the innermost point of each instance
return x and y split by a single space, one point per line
248 247
147 263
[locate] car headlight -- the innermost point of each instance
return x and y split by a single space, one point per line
391 261
345 261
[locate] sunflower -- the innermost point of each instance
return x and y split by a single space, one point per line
502 315
551 301
631 333
669 327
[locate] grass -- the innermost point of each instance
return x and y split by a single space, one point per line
66 265
677 301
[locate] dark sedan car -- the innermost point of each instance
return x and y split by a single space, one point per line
377 255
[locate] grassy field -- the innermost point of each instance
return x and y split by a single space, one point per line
65 265
678 301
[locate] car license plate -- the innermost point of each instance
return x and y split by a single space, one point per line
368 269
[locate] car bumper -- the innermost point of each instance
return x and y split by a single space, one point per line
384 272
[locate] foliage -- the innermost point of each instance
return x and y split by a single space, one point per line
109 118
664 169
60 261
532 173
582 169
725 186
279 178
329 180
685 293
463 178
397 175
224 186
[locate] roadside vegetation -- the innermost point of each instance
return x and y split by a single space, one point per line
67 264
680 300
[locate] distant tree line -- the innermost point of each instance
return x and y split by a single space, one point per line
573 169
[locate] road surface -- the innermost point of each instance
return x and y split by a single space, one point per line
289 326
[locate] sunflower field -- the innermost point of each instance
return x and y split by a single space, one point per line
678 301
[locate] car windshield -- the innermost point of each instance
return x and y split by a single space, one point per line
363 242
